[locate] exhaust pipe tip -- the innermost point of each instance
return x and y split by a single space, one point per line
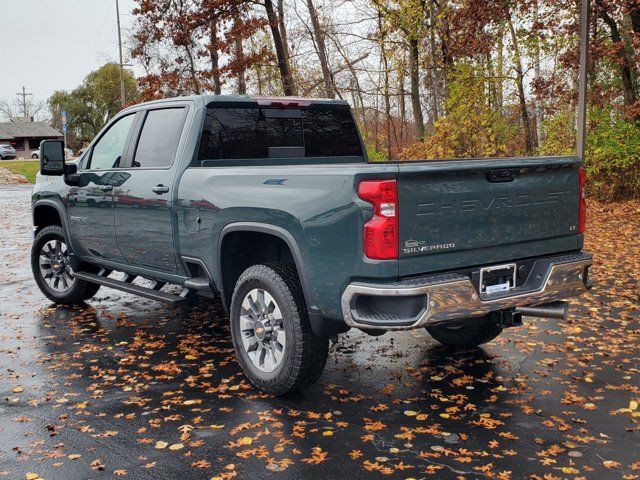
559 310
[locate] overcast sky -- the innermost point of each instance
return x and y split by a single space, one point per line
52 45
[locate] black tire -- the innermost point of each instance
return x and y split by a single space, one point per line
304 355
34 156
472 334
91 290
78 291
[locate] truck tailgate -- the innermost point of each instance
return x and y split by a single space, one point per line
461 213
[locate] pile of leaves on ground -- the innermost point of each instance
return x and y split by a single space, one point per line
10 178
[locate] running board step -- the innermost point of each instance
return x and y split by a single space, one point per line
197 283
130 288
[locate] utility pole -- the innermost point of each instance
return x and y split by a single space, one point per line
123 100
583 78
24 96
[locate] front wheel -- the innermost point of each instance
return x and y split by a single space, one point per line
272 336
34 156
53 270
469 333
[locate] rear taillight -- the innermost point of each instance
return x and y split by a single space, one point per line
381 231
582 215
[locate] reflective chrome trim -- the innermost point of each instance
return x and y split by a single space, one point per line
458 298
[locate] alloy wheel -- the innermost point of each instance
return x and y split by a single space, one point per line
262 330
55 266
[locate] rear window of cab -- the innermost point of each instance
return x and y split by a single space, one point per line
257 133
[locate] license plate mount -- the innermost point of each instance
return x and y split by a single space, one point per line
497 279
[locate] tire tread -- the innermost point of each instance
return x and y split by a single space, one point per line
80 292
310 356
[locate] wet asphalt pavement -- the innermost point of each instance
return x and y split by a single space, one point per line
130 388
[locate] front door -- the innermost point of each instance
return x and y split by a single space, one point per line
90 202
144 204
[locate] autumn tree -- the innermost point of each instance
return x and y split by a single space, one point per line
427 77
90 105
192 46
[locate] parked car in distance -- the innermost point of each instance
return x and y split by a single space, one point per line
68 153
271 205
7 152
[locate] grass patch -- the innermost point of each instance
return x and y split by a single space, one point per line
28 168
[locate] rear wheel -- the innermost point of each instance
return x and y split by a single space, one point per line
34 156
272 336
472 334
53 270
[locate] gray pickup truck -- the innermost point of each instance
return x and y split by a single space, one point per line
271 204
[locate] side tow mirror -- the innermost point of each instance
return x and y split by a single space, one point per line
52 157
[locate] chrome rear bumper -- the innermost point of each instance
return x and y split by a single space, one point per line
437 299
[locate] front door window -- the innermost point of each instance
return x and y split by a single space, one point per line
108 151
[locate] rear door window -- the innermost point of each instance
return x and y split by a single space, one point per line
255 133
159 138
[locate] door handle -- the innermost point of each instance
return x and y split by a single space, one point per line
160 189
106 188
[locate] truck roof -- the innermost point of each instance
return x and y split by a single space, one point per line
261 100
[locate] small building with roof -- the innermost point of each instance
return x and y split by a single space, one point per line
26 136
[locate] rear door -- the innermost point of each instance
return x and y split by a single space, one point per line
462 213
144 205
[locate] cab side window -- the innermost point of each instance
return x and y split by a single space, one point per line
159 138
108 151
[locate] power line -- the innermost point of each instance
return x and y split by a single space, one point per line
24 96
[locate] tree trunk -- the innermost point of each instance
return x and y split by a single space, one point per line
283 30
414 72
319 42
215 59
192 70
387 101
376 115
500 70
259 79
354 100
625 62
433 73
517 60
537 106
445 41
492 84
403 107
238 51
288 84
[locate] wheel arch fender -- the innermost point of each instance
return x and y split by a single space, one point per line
58 207
292 244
